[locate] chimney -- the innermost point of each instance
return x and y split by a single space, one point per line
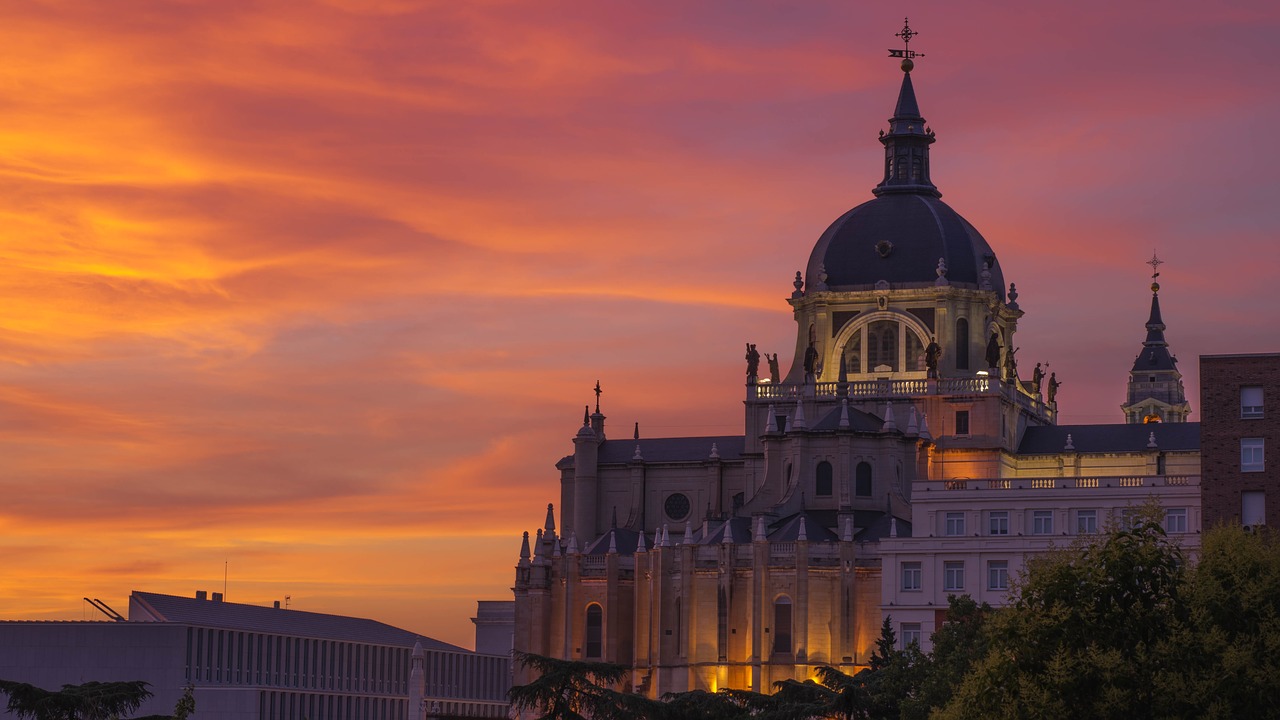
202 595
276 605
217 597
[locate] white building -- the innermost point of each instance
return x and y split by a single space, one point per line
249 662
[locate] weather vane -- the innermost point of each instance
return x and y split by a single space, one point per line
1155 264
906 53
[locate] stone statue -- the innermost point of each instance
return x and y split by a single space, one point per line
810 362
1053 388
1011 365
753 363
932 355
993 351
1037 377
773 368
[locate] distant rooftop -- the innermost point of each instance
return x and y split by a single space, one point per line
154 607
1110 438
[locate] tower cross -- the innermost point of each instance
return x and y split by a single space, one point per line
1155 263
907 33
598 391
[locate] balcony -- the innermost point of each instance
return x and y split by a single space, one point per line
1060 483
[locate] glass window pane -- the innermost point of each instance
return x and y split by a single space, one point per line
882 346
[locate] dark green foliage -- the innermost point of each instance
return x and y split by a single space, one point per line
1089 635
574 690
90 701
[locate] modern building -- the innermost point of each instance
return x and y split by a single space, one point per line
249 662
900 458
1239 397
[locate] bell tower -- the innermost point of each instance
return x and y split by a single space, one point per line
1155 385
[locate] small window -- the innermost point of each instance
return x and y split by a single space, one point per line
998 575
962 422
677 506
1086 522
1251 455
595 630
782 625
955 523
1175 520
862 480
910 635
911 576
1126 517
1042 522
998 523
953 575
1253 508
1251 402
822 484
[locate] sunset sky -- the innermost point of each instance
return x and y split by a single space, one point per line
318 290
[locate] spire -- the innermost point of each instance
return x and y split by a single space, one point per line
906 145
1155 392
524 549
550 524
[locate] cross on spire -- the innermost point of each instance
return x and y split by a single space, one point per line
906 53
1155 263
598 391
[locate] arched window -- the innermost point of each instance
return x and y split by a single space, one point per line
595 631
822 483
962 344
862 480
782 625
722 623
882 346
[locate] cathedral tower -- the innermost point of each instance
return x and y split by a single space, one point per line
1155 385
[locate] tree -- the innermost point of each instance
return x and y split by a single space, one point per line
957 646
1089 633
1230 666
575 690
90 701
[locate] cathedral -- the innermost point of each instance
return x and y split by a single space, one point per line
901 447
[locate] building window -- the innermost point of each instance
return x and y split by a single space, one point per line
911 576
998 522
822 485
910 635
1251 455
722 623
998 575
1127 516
962 344
953 575
882 346
962 422
955 523
782 625
1086 522
862 480
1175 520
677 506
1251 402
1253 508
595 630
1042 522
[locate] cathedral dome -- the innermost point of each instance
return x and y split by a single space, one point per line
898 238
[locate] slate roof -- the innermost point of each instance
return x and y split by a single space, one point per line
858 420
680 449
1050 439
257 618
